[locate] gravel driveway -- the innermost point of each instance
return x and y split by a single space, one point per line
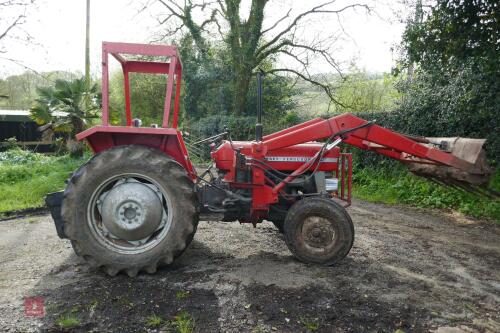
412 270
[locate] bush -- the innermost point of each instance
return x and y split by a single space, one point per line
26 177
19 156
397 185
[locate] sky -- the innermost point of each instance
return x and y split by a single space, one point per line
58 31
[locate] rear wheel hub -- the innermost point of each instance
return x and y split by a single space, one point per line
131 211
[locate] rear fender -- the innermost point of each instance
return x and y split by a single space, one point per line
168 140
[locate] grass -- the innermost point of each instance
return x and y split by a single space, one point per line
398 186
93 305
68 321
183 322
309 324
154 321
181 294
26 177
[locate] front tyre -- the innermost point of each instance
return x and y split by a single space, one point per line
318 230
130 208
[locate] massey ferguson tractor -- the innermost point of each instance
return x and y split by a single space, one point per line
135 205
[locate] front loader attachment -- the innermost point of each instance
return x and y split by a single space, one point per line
457 162
475 179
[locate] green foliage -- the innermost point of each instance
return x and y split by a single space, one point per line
207 93
460 103
309 324
395 185
154 321
455 90
16 155
455 31
26 177
68 321
147 95
358 91
364 92
182 294
77 106
209 97
209 87
71 97
183 322
22 89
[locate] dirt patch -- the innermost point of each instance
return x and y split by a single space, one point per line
412 270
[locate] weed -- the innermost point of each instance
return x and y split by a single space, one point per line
309 324
93 305
181 294
154 321
68 321
183 322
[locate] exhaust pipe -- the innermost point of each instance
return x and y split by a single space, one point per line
258 126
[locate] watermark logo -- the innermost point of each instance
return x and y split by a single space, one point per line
34 307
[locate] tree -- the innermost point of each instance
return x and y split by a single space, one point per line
455 31
13 17
456 85
365 92
76 105
206 93
21 90
250 43
147 97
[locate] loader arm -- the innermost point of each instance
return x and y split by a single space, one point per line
367 136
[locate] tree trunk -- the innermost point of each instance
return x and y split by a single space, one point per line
74 146
241 86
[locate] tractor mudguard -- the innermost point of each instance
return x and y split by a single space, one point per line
54 202
167 140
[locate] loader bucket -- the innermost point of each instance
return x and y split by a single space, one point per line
475 179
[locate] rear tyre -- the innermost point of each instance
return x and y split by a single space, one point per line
318 230
130 208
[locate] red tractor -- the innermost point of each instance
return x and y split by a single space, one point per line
135 205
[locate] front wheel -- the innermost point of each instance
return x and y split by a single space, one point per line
130 208
318 230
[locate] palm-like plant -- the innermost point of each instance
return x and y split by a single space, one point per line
67 107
